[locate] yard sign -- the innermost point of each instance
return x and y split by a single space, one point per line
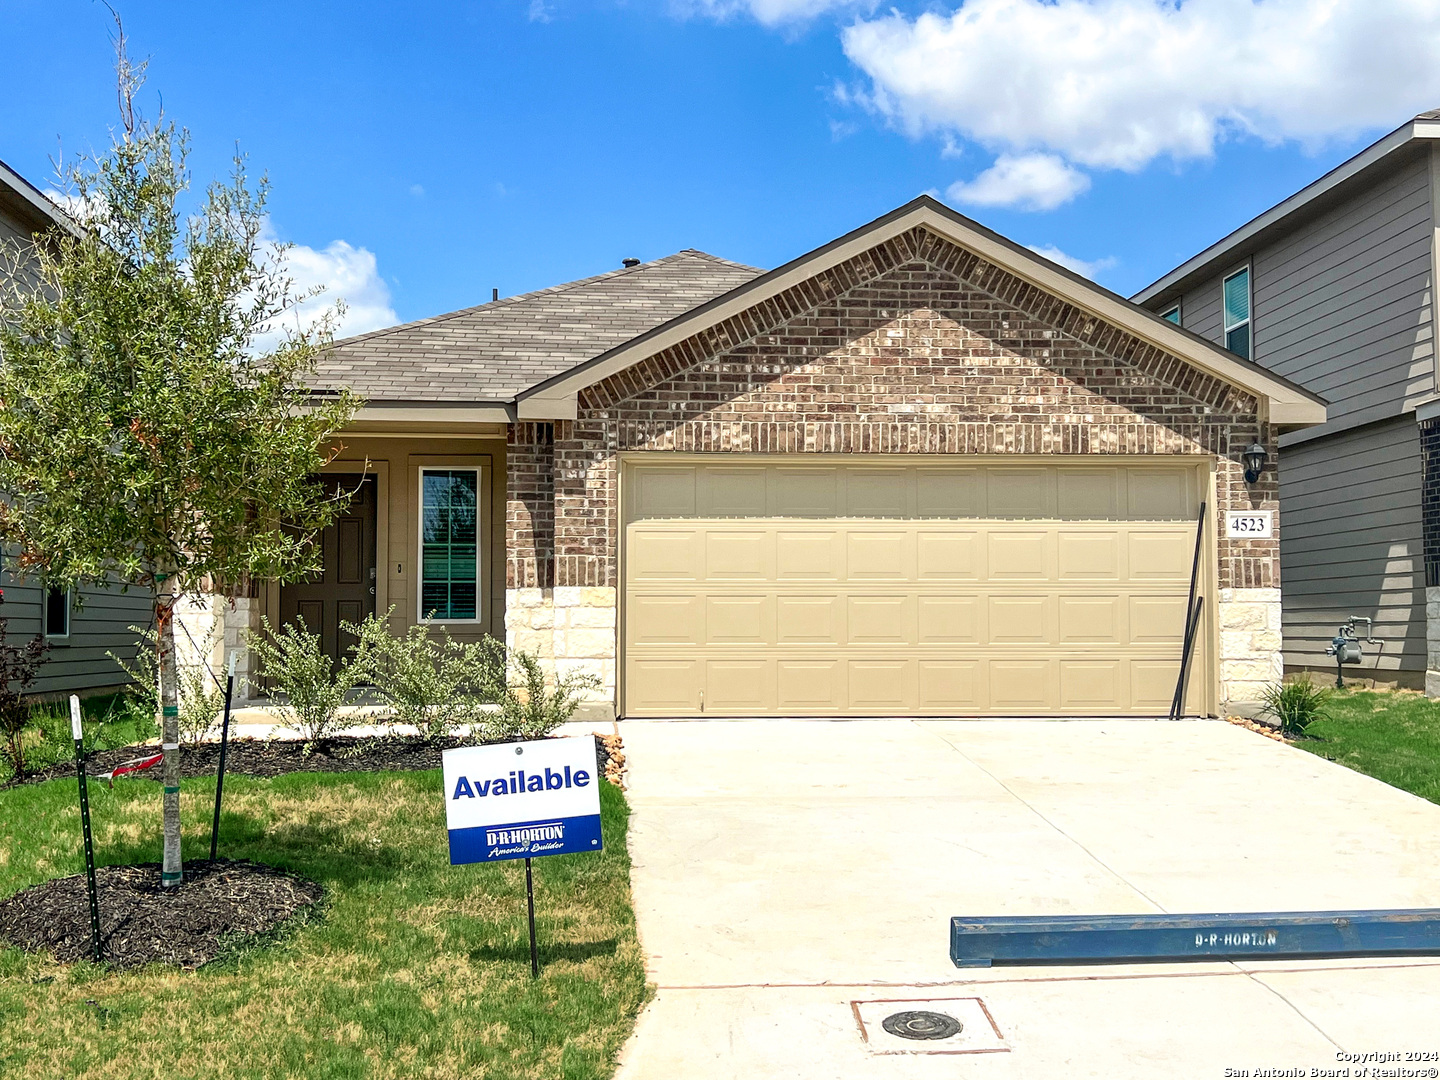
522 800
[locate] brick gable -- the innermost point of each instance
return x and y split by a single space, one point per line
915 346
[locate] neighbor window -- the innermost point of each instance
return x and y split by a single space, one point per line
1173 315
1237 312
57 613
449 543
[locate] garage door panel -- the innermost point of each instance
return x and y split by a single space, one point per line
880 686
876 555
733 492
1015 555
880 620
809 555
949 620
908 589
948 555
740 620
1160 556
1020 620
1091 620
1092 686
1022 686
1088 556
951 686
950 493
740 687
808 620
808 686
739 554
665 555
666 619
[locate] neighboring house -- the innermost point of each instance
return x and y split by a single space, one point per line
1333 289
81 630
918 471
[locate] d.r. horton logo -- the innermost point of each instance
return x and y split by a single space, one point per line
541 837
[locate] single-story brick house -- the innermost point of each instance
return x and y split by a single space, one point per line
918 471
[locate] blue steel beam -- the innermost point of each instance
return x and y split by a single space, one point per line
1091 939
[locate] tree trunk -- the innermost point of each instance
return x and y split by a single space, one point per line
170 871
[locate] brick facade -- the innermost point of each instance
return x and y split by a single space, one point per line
916 346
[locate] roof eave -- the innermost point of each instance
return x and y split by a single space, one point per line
556 398
1229 247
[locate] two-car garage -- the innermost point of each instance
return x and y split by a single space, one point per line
837 586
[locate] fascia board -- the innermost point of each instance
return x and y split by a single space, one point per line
1304 407
438 413
549 407
1225 248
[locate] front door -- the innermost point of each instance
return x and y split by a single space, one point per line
343 590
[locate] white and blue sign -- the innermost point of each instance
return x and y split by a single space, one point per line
522 800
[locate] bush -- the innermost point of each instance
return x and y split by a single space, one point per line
200 698
1296 705
433 683
530 709
313 687
19 665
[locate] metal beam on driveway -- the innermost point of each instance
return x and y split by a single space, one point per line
1090 939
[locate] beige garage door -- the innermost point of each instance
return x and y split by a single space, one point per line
844 589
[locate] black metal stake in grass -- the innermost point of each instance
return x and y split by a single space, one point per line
79 734
224 745
530 903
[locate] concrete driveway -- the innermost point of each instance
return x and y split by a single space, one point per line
794 880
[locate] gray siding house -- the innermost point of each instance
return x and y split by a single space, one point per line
1333 290
81 630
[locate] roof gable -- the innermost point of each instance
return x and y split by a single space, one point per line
1093 309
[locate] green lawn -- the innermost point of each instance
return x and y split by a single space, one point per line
1391 735
418 968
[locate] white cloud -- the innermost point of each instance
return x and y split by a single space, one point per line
769 12
1119 83
345 273
1084 267
1024 181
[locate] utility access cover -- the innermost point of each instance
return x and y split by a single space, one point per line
928 1026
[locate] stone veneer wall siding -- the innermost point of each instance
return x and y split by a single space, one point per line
1430 531
917 346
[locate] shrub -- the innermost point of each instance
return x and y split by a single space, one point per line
1296 705
19 665
312 686
200 698
433 683
531 709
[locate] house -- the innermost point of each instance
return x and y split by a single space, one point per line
1333 289
81 630
918 471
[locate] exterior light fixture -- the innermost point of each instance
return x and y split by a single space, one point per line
1254 459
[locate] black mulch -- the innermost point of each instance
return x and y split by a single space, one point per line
254 757
214 908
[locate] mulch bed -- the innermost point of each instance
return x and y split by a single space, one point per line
215 908
270 758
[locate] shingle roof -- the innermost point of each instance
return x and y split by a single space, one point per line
493 351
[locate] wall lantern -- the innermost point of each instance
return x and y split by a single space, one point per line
1254 459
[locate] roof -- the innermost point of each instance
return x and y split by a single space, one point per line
23 200
1289 404
494 351
1409 138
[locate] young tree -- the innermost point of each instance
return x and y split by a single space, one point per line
144 435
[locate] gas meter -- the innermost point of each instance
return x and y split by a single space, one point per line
1345 645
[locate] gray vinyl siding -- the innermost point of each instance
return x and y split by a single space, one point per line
1351 543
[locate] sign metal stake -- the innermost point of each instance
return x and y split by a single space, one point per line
78 733
224 745
530 904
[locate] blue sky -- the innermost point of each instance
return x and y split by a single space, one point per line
515 144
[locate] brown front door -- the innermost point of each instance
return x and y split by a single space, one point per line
344 589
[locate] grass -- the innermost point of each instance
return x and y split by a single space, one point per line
110 720
1393 736
417 969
